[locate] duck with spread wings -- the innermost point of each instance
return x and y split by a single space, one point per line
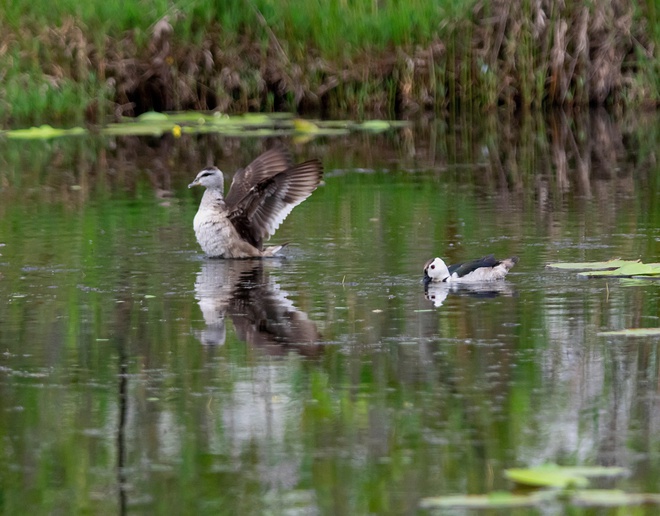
260 197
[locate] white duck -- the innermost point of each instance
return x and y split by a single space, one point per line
474 271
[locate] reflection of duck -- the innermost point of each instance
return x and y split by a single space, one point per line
260 312
259 199
474 271
438 292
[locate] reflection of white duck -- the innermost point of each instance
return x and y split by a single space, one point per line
474 271
437 292
261 313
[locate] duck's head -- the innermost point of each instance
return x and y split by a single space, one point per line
210 177
435 270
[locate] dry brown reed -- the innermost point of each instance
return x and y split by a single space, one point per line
562 52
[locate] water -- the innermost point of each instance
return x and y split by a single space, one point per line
138 376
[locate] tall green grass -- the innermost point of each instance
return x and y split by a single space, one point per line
54 55
334 27
109 18
337 30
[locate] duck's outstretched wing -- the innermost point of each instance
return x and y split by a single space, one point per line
465 268
265 206
268 164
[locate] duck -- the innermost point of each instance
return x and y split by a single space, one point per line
483 269
260 197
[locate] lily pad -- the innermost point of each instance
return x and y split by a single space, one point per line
552 475
375 126
255 119
194 122
594 471
305 126
138 129
627 270
637 281
335 124
152 116
494 500
379 126
547 476
612 498
309 128
580 497
43 132
592 266
156 124
631 332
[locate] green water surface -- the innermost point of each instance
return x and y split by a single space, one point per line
137 376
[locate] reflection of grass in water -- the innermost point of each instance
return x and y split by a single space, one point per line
529 155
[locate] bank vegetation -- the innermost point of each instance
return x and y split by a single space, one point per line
71 61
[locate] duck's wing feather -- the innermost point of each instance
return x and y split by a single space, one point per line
465 268
266 165
265 206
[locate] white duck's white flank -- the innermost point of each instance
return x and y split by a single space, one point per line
259 199
474 271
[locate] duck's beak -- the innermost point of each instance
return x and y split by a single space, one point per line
426 280
194 183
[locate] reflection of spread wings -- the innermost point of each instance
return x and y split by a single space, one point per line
261 313
437 292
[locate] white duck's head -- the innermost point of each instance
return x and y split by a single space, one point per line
210 177
435 271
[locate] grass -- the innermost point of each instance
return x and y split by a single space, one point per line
93 61
333 27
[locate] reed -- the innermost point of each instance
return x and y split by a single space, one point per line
99 60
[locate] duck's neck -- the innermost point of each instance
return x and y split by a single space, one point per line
212 196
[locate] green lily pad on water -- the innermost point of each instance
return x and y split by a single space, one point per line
551 475
195 122
317 128
612 498
44 132
138 129
379 126
546 476
631 332
611 268
494 500
504 500
594 471
566 487
592 266
627 270
637 281
152 116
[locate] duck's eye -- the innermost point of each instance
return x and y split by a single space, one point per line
432 266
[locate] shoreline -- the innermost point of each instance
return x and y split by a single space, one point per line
511 56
